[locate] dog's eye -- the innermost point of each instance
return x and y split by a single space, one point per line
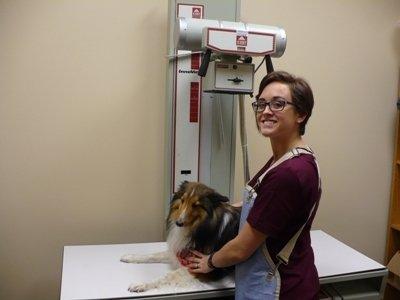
176 203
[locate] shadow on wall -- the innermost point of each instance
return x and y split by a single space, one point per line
396 41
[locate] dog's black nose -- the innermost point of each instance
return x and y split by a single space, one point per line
179 223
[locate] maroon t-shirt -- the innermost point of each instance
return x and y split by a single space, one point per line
284 200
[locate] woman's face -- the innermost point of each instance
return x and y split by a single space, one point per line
278 124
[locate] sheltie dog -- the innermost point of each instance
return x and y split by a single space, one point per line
199 218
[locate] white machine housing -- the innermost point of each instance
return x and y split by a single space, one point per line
201 126
230 40
227 37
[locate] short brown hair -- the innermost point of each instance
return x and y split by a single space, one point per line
300 91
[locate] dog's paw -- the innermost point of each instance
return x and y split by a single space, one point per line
137 288
129 258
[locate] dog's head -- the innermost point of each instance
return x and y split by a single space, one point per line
193 203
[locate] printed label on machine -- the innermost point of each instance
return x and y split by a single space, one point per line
241 38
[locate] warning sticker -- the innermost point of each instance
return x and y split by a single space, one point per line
196 12
241 40
190 11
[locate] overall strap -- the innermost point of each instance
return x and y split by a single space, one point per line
284 254
288 155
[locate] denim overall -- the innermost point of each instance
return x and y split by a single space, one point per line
258 276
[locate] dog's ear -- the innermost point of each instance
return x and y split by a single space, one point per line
182 186
217 198
211 201
180 192
207 204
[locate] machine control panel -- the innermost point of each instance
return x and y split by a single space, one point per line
229 78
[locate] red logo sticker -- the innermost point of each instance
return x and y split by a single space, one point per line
196 12
241 40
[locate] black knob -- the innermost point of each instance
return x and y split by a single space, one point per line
236 80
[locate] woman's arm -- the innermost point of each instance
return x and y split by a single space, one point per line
235 251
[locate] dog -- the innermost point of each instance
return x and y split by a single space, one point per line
199 218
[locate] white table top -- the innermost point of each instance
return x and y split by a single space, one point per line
95 272
333 258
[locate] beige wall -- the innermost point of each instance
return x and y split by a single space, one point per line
82 123
81 130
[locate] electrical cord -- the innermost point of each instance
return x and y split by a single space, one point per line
259 65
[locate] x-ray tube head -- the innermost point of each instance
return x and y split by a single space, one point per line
189 33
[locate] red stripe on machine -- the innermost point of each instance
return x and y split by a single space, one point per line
194 102
195 61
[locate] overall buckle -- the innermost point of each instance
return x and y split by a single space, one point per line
271 273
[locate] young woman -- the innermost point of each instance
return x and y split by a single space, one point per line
272 252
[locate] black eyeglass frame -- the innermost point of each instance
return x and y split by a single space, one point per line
265 103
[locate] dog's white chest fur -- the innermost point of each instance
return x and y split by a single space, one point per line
178 239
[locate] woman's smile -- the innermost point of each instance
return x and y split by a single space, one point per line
267 123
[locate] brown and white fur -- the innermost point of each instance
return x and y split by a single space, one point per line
200 219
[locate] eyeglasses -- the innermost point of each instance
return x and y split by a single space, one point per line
276 104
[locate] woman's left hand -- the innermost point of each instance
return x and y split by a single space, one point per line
198 262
